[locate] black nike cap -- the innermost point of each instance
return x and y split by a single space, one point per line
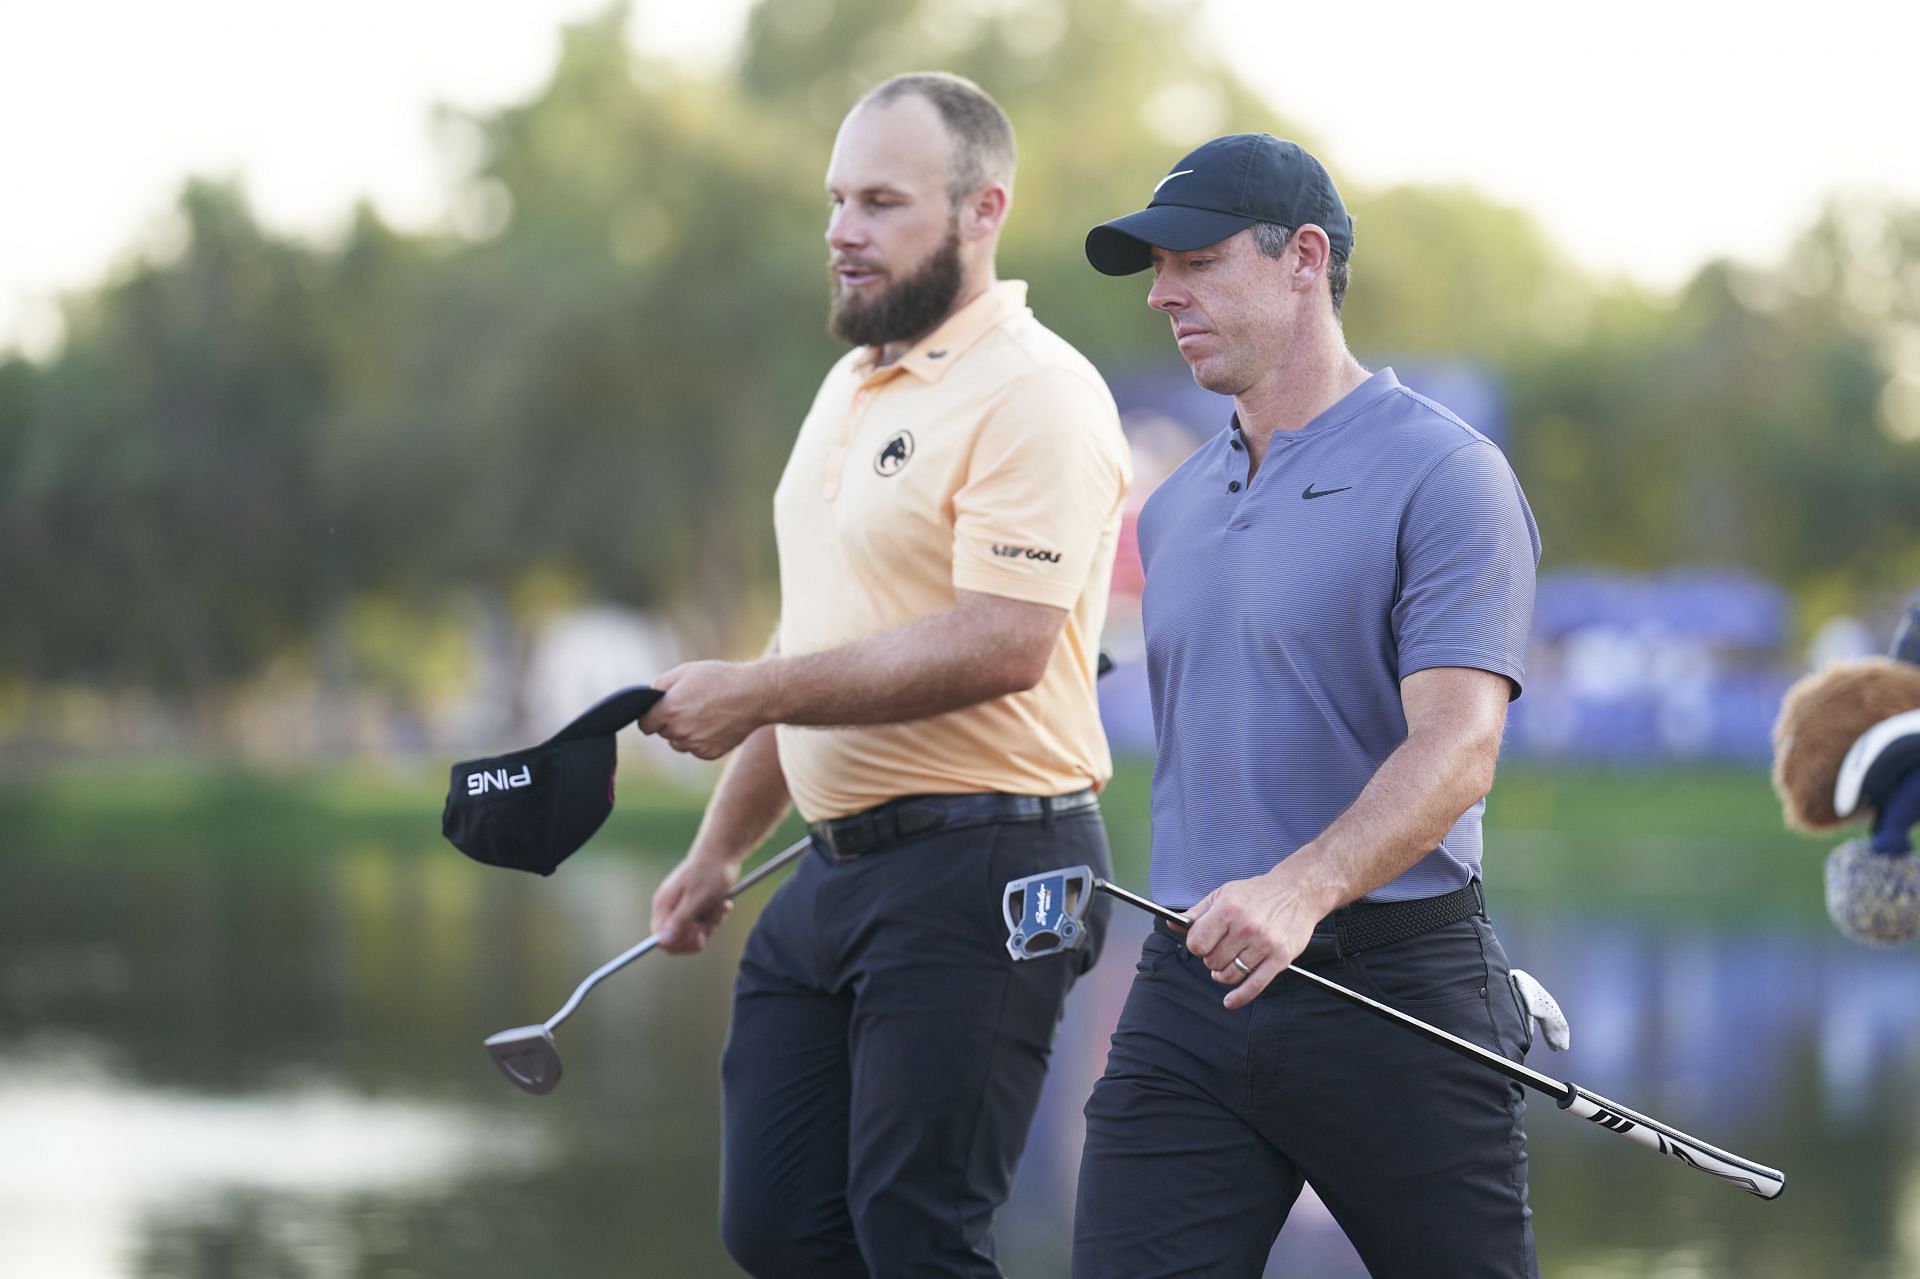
1217 190
532 809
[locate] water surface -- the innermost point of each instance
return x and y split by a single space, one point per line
255 1066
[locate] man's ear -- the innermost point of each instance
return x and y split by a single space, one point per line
1313 251
983 212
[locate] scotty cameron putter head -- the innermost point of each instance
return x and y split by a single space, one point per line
1046 913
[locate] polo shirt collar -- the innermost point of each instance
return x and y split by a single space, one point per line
934 354
1343 410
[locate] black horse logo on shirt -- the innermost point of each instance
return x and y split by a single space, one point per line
894 454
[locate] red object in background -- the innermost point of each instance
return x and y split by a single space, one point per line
1129 576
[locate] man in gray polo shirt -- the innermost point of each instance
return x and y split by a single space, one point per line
1338 593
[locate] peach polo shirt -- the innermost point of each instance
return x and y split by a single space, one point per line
988 458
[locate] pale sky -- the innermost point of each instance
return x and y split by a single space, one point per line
1645 137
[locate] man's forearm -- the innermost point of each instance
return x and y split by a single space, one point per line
986 646
750 800
1401 815
922 668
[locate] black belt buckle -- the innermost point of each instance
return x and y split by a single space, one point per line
851 838
822 834
840 839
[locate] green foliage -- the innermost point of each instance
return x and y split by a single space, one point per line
1442 271
165 490
173 807
1740 427
1682 841
246 451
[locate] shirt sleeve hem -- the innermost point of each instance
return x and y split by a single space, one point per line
1016 587
1491 663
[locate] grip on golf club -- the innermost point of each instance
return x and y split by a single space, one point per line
1755 1179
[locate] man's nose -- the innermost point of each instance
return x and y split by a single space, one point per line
845 229
1166 295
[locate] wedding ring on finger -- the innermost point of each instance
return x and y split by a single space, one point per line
1241 964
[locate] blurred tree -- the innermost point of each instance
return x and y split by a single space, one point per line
1444 271
1742 427
163 491
586 386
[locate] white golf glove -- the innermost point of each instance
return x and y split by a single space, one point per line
1545 1012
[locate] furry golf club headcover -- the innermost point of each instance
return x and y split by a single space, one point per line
1847 748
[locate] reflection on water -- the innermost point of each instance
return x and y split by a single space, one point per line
230 1066
94 1163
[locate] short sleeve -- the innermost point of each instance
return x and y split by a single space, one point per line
1468 552
1045 480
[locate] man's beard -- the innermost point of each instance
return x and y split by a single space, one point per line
906 309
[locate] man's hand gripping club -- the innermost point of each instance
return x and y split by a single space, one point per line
1248 930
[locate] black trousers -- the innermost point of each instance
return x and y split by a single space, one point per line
886 1055
1208 1120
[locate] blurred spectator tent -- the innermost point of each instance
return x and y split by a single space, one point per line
1685 664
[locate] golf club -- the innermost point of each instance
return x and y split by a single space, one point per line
1052 921
527 1055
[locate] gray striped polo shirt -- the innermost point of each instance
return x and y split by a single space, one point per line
1384 537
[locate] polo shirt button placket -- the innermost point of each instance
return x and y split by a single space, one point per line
837 456
1236 486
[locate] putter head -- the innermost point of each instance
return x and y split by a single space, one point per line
1047 913
527 1056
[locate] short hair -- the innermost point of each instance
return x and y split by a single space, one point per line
1273 240
983 149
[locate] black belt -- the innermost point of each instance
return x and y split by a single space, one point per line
1370 925
845 838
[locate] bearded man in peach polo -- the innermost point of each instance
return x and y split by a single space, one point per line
946 524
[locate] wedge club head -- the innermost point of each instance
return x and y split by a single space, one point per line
527 1056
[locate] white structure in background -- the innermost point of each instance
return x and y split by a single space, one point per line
582 656
1841 639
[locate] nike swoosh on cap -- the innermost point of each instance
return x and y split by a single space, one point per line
1170 177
